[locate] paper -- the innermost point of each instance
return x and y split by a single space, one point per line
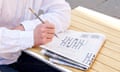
80 47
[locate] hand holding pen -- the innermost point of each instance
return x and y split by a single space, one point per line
43 32
39 18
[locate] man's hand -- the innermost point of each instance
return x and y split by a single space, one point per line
43 33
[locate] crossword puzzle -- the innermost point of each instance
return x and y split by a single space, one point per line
71 42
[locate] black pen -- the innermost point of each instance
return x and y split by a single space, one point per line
38 17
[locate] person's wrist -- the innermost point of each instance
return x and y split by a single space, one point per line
20 27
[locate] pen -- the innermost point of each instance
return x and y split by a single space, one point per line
38 17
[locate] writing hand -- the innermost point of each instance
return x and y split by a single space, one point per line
43 33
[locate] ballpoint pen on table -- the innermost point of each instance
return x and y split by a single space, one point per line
39 18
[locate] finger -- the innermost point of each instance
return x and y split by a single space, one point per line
50 36
48 40
50 26
47 28
50 31
45 40
46 36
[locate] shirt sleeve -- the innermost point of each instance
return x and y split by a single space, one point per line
15 40
56 11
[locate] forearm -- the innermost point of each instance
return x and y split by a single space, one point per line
15 40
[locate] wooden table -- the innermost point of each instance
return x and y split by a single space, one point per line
108 59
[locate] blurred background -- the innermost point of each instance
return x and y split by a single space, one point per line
108 7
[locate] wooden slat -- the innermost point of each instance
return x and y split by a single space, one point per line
79 16
111 54
109 62
92 70
99 67
95 25
96 17
113 46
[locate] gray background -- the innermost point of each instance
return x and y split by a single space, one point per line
109 7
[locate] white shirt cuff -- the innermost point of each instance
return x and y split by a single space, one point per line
30 25
26 39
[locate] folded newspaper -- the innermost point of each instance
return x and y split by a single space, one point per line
73 48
